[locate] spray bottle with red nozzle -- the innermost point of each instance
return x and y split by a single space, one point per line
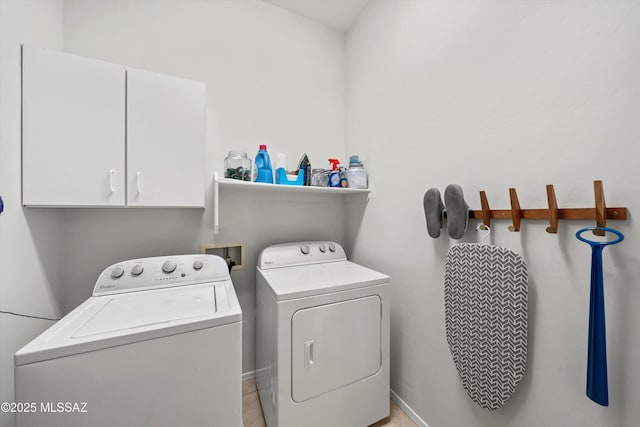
337 177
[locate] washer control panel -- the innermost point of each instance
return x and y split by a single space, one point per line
161 272
300 253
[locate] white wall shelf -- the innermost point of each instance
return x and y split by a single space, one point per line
237 185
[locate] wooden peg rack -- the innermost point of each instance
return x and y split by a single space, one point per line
600 213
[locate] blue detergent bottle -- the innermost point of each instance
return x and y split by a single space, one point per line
263 166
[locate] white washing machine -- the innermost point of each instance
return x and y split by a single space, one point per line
322 338
158 344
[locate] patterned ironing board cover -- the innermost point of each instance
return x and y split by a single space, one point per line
485 296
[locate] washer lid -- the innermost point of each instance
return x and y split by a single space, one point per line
316 279
138 310
112 320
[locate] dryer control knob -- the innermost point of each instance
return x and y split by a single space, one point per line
332 247
197 264
169 266
322 248
117 272
137 270
304 249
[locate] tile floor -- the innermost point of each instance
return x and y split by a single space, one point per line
252 412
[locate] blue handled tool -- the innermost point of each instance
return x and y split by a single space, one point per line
597 383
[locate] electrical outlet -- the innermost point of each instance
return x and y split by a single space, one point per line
230 252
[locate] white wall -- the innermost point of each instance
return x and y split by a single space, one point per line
30 240
272 77
492 95
487 94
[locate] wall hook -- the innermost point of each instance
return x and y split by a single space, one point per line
601 208
516 214
552 213
553 210
486 211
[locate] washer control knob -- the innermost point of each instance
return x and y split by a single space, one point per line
169 266
332 247
304 249
322 248
197 264
117 272
137 270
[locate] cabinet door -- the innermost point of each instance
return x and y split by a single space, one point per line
165 140
73 132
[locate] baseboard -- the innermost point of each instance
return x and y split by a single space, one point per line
248 375
407 410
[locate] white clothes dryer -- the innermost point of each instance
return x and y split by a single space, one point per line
322 337
158 344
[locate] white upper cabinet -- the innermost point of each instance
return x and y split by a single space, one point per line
73 130
165 140
99 134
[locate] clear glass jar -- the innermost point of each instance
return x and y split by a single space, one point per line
237 166
319 178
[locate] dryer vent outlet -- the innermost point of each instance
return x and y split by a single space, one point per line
233 253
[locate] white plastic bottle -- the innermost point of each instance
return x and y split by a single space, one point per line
356 174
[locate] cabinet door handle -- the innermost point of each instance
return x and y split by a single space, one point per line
308 353
112 187
139 181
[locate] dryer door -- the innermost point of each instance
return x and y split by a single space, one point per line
334 345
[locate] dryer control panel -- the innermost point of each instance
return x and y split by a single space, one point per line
161 272
300 253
